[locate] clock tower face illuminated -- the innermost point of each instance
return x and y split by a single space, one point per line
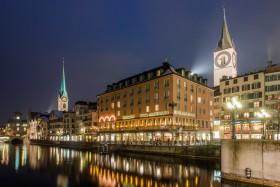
222 59
225 56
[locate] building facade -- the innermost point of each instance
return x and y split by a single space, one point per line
272 99
249 90
16 125
86 119
162 104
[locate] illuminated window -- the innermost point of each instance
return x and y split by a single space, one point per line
24 128
147 108
199 99
211 103
246 114
156 107
18 129
112 105
118 113
17 124
156 97
256 104
18 117
118 104
178 83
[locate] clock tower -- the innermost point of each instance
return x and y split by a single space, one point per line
225 56
62 100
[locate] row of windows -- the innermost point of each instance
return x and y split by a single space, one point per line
243 115
156 99
156 108
245 87
255 95
272 88
245 79
156 87
272 77
160 121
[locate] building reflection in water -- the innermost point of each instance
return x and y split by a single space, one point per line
72 167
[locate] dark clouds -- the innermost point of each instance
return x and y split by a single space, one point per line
105 41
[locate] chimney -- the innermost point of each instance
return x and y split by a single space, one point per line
269 63
188 74
204 80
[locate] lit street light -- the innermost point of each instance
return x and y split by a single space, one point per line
263 114
233 105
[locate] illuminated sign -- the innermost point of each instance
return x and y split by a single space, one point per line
256 121
154 114
184 113
217 122
128 117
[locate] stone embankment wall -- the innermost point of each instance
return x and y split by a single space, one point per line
202 152
261 158
67 144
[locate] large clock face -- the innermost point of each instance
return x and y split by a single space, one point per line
222 59
64 99
234 60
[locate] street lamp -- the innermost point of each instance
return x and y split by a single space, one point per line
263 114
233 105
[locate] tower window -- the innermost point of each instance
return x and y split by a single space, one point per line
64 105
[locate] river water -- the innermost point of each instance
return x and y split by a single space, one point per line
43 166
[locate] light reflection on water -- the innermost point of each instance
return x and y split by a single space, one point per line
66 167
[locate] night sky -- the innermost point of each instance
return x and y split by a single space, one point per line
105 41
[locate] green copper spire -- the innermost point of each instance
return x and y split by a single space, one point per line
62 90
225 40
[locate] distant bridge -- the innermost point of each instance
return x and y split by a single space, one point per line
10 138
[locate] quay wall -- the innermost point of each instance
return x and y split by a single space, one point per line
67 144
201 151
212 152
261 158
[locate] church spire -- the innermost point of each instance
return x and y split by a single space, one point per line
62 90
225 40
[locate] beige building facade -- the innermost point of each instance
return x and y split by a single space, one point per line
249 90
163 104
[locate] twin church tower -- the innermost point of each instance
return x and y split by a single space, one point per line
225 58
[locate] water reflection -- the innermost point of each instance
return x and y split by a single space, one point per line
66 167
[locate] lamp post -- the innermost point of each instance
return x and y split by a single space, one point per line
263 115
233 105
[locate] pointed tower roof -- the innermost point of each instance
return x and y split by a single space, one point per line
62 90
225 40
